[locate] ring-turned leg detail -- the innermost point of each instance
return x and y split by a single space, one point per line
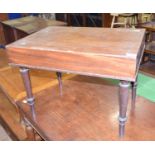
28 87
123 102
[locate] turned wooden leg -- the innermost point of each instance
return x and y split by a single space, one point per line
133 94
59 76
29 131
123 102
27 84
21 117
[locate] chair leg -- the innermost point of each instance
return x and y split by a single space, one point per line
133 90
125 21
113 21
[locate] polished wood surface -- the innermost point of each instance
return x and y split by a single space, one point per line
8 111
9 114
88 110
139 126
81 50
12 84
3 59
76 50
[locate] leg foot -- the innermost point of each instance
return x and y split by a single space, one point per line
123 102
29 132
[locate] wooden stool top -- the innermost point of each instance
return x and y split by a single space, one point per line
100 52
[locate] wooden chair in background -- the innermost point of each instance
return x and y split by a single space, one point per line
129 20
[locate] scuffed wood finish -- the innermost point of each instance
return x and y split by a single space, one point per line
104 52
31 24
88 110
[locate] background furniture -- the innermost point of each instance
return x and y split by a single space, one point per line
21 27
3 17
86 19
129 20
150 43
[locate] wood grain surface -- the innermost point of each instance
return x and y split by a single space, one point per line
3 59
88 110
11 82
10 115
113 53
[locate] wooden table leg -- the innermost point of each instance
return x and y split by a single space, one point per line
15 34
133 94
29 131
59 76
28 87
123 102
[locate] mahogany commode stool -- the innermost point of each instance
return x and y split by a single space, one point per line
99 52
